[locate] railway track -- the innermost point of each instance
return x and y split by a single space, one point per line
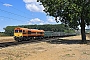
7 41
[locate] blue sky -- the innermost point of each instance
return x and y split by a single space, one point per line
22 12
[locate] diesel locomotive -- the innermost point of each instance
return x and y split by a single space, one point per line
21 34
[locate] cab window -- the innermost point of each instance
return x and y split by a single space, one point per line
16 31
20 30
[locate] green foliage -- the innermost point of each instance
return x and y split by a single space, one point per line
69 12
49 27
9 30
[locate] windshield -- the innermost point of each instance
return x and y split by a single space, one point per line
16 31
20 30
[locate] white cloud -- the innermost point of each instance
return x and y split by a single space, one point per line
29 1
51 19
33 6
7 5
36 21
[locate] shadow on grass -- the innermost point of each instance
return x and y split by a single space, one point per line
66 41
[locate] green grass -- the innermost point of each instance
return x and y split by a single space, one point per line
3 34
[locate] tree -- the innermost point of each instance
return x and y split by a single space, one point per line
70 12
9 30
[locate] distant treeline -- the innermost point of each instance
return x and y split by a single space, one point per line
9 30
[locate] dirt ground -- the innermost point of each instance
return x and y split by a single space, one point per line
67 48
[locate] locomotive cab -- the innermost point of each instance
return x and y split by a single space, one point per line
18 34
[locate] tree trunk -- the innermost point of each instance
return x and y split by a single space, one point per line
83 34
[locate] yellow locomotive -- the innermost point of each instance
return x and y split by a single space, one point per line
27 34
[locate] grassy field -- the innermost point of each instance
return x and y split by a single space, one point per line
56 49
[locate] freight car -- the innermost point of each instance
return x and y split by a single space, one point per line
21 34
51 34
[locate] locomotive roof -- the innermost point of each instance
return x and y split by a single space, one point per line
34 30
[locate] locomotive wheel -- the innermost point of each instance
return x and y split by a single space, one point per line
18 39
